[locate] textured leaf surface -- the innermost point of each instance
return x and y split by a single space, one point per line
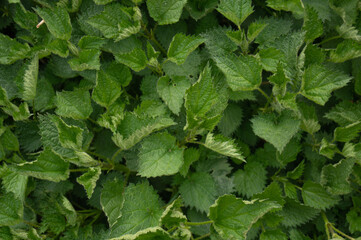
223 145
165 12
147 234
314 195
89 180
31 79
112 200
74 104
251 180
11 210
136 59
11 50
88 59
159 155
295 213
181 46
345 113
107 89
235 10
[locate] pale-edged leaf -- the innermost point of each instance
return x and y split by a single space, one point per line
89 180
172 91
69 136
30 79
346 50
48 166
314 195
136 59
190 156
107 89
112 199
88 59
318 82
102 2
235 10
11 210
155 233
254 29
14 182
59 47
165 12
141 210
57 20
117 21
232 217
345 113
294 6
242 72
91 42
181 46
173 215
347 133
11 50
199 191
74 104
159 156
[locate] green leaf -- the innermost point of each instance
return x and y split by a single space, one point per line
91 42
199 191
165 12
190 156
314 195
271 58
159 156
309 121
172 91
252 170
181 46
112 200
294 6
11 50
335 177
141 210
345 113
30 79
74 104
347 133
59 47
69 136
107 89
11 210
318 82
254 29
48 166
117 22
312 25
102 2
276 130
242 72
9 140
14 182
223 145
199 9
346 50
235 10
136 59
297 172
87 59
89 180
231 119
172 215
155 233
328 149
272 192
273 235
232 217
57 20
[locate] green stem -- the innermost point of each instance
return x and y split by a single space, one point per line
116 154
329 39
341 233
151 37
172 229
198 223
93 121
34 111
264 94
203 236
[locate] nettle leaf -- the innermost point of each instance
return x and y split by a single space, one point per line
346 50
252 170
11 210
347 133
136 59
30 79
48 166
271 58
254 29
59 47
242 72
165 12
273 235
294 6
14 182
102 2
117 22
112 199
231 119
318 82
147 234
312 24
235 10
172 91
276 130
314 195
345 113
89 180
91 42
181 46
295 213
11 50
172 215
223 145
141 210
232 217
190 156
199 191
199 9
107 89
57 20
159 156
87 59
69 136
74 104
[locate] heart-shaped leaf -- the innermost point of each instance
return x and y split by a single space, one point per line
276 130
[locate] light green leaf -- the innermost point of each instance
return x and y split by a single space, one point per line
30 79
335 177
11 50
347 133
74 104
172 91
87 59
294 6
295 213
91 42
199 191
235 10
57 20
297 172
89 180
242 179
159 156
181 46
318 82
273 235
69 136
112 200
9 140
102 2
11 210
165 12
346 50
25 19
223 145
173 215
59 47
198 9
155 233
276 130
117 22
345 113
309 121
232 217
107 89
314 195
48 166
254 30
136 59
312 24
242 72
190 156
14 182
271 58
141 210
272 192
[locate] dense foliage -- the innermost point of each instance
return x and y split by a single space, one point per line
176 119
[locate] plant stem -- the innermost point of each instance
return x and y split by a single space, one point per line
329 39
341 233
198 223
115 155
264 94
203 236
